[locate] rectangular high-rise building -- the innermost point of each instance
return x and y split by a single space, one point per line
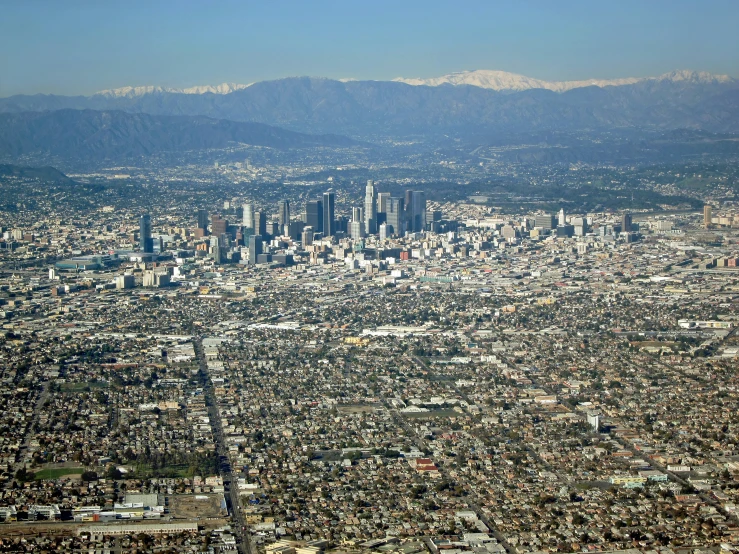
382 198
203 219
283 213
626 222
415 209
370 208
395 216
314 215
307 235
544 221
249 216
707 216
357 225
255 248
356 229
145 240
260 223
218 225
329 225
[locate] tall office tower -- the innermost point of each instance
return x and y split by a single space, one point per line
329 225
341 224
419 211
356 229
260 223
382 198
545 221
415 210
395 216
707 216
145 240
370 208
273 229
255 248
216 249
383 231
561 218
203 219
283 213
408 199
249 216
307 235
626 222
294 229
314 215
218 225
357 225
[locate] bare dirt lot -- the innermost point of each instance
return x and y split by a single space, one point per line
193 506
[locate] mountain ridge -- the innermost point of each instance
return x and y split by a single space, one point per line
131 92
394 109
505 81
483 78
118 134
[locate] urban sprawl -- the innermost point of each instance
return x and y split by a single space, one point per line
409 375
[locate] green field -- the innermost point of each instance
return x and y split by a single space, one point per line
56 473
83 386
145 471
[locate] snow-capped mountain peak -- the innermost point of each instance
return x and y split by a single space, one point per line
132 92
702 77
513 82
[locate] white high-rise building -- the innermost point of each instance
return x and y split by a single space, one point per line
249 216
356 229
594 421
561 219
370 208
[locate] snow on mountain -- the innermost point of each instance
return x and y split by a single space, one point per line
494 80
132 92
697 77
504 81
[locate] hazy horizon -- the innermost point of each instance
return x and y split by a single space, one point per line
77 48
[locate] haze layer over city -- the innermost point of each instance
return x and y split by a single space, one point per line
369 278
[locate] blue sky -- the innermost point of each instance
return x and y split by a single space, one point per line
79 47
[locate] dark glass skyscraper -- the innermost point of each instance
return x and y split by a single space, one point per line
145 240
329 225
314 215
626 222
283 213
260 223
203 219
415 209
255 248
395 216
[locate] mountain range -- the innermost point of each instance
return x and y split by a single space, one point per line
477 107
91 134
391 108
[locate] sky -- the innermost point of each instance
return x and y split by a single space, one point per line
80 47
